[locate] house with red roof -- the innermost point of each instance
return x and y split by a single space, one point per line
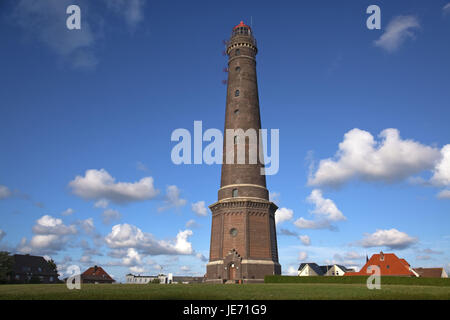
431 272
389 264
96 274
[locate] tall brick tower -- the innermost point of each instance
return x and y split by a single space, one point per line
243 235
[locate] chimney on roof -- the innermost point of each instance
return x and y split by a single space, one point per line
381 256
367 258
95 268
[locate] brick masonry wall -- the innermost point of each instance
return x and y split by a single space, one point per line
250 251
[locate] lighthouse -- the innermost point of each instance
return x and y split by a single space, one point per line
243 245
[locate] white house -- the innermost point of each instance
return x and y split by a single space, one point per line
138 279
309 270
312 269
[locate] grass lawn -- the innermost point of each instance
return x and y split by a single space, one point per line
267 291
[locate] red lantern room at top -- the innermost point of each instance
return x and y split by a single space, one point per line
242 28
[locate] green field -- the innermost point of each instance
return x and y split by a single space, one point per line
267 291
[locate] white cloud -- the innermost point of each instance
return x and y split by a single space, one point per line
129 236
361 157
274 197
126 235
305 240
441 175
68 212
431 251
86 259
446 9
444 194
157 266
286 232
302 256
199 208
201 257
45 21
392 238
131 10
2 234
353 255
136 269
5 192
192 224
173 199
182 245
292 271
324 208
326 211
283 214
100 185
423 257
185 269
51 235
133 258
141 166
63 265
303 223
41 244
87 250
347 259
102 203
399 29
109 215
87 225
45 241
130 258
47 225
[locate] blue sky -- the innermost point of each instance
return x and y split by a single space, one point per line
87 115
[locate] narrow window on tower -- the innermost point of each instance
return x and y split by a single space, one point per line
236 93
235 139
235 193
236 112
238 52
238 69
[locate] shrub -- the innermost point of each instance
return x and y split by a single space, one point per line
359 280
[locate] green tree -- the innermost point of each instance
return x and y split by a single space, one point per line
52 265
6 265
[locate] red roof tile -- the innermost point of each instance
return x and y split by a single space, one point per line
96 273
389 263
